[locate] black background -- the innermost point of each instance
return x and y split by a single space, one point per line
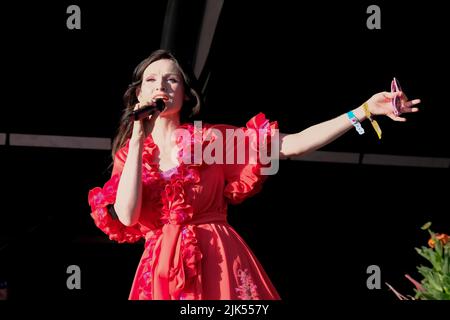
315 227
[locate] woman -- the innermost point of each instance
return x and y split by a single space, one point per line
178 204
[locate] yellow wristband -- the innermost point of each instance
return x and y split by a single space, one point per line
374 124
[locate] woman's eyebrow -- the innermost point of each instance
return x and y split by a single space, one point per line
171 74
165 74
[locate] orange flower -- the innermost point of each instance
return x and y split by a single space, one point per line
441 237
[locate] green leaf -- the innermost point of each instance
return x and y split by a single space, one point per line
425 271
425 252
446 263
425 296
436 262
446 296
436 282
438 247
446 284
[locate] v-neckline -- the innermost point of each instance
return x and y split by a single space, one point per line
167 174
161 171
149 141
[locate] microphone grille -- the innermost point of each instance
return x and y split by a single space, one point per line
160 104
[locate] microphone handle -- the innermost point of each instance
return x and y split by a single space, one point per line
147 110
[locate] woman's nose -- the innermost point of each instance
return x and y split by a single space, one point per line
159 85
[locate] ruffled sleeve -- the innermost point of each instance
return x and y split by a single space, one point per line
245 178
101 201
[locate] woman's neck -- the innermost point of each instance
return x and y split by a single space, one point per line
162 131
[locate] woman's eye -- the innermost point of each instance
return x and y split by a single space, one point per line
173 80
150 79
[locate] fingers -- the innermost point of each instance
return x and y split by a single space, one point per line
411 103
391 95
408 106
155 114
409 110
402 95
140 118
140 105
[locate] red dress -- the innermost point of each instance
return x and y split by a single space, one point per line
191 252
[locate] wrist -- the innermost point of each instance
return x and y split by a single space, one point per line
359 113
136 141
373 122
355 122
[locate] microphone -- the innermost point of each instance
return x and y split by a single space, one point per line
144 112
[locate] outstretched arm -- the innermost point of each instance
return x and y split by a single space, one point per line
321 134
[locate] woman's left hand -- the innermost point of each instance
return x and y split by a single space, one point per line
381 104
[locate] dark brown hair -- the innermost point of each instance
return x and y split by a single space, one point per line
190 107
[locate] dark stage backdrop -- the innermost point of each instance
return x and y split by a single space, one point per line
316 226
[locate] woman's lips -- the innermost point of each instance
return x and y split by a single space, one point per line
162 96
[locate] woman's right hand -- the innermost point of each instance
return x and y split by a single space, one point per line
143 127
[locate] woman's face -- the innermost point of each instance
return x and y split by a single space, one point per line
162 80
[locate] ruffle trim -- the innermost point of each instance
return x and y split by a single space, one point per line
99 200
259 133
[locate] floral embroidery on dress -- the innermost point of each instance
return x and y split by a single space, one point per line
247 289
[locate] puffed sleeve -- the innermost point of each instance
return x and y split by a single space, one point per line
244 179
101 201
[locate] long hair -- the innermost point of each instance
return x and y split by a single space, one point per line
189 109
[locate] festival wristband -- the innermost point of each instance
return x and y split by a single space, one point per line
373 122
355 122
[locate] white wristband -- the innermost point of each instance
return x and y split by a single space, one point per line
355 122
